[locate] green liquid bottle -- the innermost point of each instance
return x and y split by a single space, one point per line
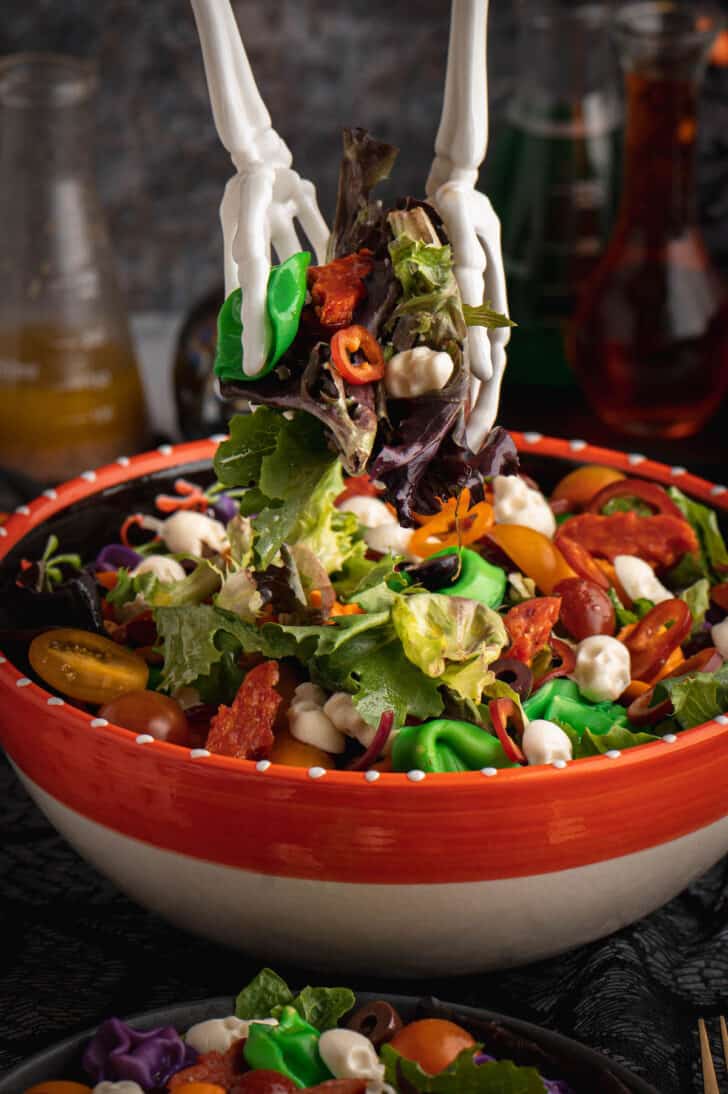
552 175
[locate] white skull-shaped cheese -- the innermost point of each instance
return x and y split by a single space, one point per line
515 502
164 568
193 534
602 669
719 635
417 371
218 1034
124 1086
544 742
350 1055
371 512
309 723
638 580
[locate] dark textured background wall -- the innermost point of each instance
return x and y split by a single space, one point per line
320 65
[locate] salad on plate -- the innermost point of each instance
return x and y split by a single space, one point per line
324 1039
356 588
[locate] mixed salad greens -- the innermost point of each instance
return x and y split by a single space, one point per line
319 1039
356 588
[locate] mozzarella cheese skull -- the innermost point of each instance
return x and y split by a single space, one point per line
638 580
515 502
602 669
217 1034
164 568
350 1055
417 371
309 723
544 742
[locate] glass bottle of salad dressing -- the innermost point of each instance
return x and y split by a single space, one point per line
70 394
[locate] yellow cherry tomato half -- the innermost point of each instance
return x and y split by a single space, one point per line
58 1086
287 750
580 486
532 553
86 666
433 1043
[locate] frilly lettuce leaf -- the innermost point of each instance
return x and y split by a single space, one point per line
451 638
265 991
714 553
463 1076
320 1007
596 744
295 479
697 598
430 294
697 697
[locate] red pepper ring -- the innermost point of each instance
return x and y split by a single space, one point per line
662 630
641 713
581 561
567 658
501 710
352 340
655 496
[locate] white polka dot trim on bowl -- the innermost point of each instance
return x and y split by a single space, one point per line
677 471
722 719
371 776
490 771
262 765
50 493
218 438
198 753
718 489
164 449
23 511
636 457
415 776
532 438
55 701
89 476
577 445
123 461
670 738
3 531
316 772
559 764
3 660
144 739
613 754
22 682
99 723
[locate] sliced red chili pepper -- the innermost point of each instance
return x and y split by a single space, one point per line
501 711
337 288
655 496
567 662
582 562
662 630
642 713
661 539
357 339
529 625
719 595
189 497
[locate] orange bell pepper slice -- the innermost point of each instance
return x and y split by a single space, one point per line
456 525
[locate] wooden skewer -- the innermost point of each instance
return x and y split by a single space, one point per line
710 1082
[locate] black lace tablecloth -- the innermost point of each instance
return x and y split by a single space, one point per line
75 950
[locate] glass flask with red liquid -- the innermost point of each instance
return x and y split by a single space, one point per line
649 340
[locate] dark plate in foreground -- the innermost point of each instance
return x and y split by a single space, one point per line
597 1074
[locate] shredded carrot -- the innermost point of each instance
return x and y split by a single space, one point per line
135 520
190 497
345 609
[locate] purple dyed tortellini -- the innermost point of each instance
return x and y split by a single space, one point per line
149 1058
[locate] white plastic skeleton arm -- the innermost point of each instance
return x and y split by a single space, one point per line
468 216
265 196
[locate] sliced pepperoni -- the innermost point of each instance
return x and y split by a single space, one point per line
529 625
660 540
245 730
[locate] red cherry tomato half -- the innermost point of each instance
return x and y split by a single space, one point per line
433 1043
641 712
585 608
649 492
662 630
356 339
149 712
86 666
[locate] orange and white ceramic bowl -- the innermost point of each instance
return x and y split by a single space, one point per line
410 873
